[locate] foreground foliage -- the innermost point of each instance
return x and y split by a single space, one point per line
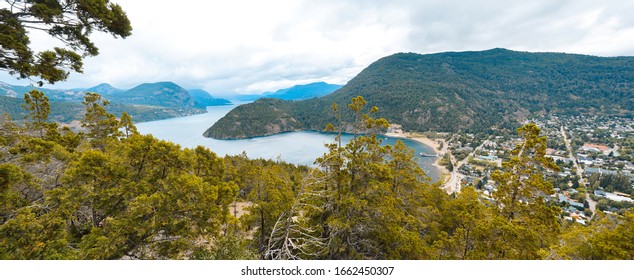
110 193
70 21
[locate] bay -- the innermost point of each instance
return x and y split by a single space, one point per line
301 147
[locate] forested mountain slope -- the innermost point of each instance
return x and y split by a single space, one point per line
458 91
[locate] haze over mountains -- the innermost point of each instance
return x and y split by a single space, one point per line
452 91
297 92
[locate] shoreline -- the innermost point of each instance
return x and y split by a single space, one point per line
418 138
430 143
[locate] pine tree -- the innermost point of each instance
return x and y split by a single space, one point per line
521 196
364 203
100 124
127 125
37 104
70 21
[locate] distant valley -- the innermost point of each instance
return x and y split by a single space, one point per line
455 91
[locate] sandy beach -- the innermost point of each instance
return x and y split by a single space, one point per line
419 138
434 144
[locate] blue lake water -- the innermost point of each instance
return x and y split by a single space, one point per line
294 147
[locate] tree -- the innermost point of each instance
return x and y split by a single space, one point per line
464 234
30 237
39 108
608 237
522 180
15 186
366 201
70 21
532 223
128 126
271 195
100 124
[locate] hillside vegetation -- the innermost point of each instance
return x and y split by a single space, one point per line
469 91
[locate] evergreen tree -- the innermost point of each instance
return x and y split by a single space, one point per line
70 21
100 124
36 103
271 195
128 126
521 196
366 202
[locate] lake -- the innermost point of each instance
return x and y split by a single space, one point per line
295 147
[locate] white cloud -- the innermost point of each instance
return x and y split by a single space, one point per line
245 46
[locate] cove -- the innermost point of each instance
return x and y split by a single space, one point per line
301 147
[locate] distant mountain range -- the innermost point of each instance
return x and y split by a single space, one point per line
66 112
148 101
204 99
452 91
173 99
163 94
72 95
298 92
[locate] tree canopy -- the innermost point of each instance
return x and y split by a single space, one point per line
70 21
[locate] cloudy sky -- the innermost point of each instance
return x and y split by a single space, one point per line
241 46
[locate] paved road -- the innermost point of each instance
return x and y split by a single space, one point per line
582 180
453 184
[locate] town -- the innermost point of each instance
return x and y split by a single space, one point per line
595 156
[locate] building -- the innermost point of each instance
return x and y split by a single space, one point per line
616 197
590 170
596 148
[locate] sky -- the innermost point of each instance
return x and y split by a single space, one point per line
242 47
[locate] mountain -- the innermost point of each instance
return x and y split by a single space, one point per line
105 90
297 92
164 94
451 91
301 92
53 94
204 99
66 112
145 102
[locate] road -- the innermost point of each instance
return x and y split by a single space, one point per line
453 184
582 180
